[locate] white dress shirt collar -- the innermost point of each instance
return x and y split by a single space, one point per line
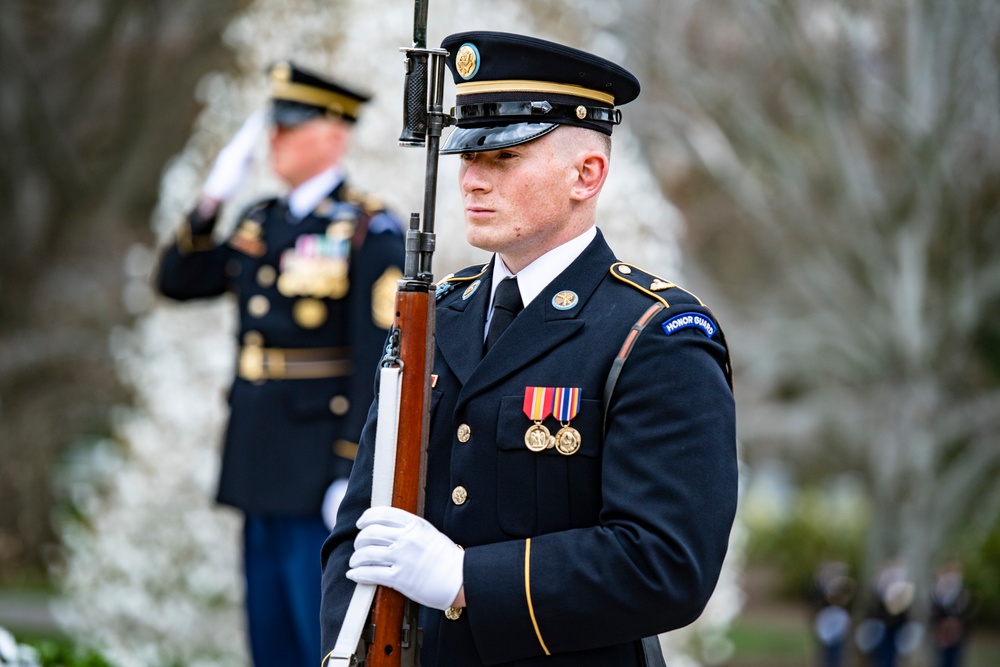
535 277
304 199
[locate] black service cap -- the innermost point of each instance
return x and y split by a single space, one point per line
511 89
299 95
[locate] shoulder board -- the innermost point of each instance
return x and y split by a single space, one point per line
660 289
366 203
452 280
385 222
648 283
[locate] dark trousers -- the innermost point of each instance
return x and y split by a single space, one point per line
281 560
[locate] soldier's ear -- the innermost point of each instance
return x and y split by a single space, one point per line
592 171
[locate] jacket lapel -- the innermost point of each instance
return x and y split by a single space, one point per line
540 327
460 327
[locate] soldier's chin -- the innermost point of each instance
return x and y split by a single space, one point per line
480 235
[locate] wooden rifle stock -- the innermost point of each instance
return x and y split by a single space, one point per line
395 630
395 637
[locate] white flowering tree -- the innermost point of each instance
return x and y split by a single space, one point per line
153 572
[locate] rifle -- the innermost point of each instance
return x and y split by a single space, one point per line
391 638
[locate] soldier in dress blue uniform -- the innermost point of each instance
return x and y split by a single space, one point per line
581 470
314 276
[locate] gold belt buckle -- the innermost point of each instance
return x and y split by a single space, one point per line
252 363
276 363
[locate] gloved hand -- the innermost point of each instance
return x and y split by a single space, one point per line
331 501
233 162
405 552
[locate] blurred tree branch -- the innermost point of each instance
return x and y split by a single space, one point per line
95 96
858 148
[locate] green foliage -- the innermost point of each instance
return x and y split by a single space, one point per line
982 574
820 525
777 644
62 652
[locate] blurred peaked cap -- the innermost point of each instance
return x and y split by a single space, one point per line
298 95
511 89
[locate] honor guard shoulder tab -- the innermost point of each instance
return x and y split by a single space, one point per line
648 283
453 280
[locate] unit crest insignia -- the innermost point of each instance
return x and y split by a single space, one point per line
467 61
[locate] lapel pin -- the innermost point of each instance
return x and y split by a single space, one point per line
470 290
565 300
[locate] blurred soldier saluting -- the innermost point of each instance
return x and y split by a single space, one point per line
581 466
314 275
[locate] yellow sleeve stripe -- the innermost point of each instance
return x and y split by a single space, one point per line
527 593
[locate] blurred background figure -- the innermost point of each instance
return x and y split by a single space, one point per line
951 610
314 275
888 633
832 593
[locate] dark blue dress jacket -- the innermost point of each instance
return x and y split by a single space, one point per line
569 560
288 439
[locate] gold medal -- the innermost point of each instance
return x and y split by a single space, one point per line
309 313
537 438
568 440
537 406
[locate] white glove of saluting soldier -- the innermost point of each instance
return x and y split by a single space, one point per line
233 163
405 552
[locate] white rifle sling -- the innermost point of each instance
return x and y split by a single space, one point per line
384 469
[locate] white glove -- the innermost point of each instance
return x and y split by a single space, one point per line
405 552
233 162
331 501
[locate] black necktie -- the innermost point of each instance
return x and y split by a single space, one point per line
506 305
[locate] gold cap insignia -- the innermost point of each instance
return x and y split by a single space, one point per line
467 61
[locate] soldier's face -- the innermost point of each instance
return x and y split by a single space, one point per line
518 200
298 153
